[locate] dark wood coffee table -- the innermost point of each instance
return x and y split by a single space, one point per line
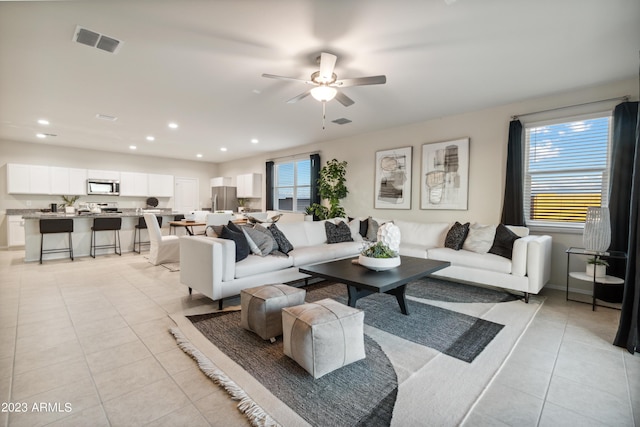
361 281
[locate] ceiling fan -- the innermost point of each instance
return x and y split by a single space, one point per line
326 84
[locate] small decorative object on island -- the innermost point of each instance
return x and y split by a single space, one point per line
597 229
600 266
308 213
68 203
379 257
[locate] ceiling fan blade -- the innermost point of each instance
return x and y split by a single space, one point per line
361 81
299 97
327 64
344 99
273 76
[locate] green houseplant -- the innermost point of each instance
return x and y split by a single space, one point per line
332 187
597 264
68 203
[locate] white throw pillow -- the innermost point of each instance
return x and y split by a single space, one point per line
354 226
480 238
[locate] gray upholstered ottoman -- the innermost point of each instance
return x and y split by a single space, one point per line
323 336
262 308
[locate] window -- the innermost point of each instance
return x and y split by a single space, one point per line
292 185
566 169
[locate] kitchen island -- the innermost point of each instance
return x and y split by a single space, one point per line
81 236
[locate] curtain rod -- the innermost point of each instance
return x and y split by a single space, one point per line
293 156
624 98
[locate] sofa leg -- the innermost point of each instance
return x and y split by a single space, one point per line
526 297
220 304
190 291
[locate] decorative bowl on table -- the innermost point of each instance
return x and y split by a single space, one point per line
378 264
379 257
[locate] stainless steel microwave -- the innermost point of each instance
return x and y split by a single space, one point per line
103 186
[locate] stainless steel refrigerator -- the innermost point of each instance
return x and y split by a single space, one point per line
224 199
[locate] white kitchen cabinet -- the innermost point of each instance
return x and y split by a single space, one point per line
249 185
15 230
160 185
68 181
77 182
134 184
18 179
28 179
222 181
103 174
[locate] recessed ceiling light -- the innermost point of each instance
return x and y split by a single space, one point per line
43 122
132 147
151 138
41 135
173 125
106 117
199 155
257 91
223 149
254 141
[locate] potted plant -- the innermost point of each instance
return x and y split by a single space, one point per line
308 213
599 265
242 203
68 204
379 257
331 186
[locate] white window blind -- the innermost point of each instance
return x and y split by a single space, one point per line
293 185
566 169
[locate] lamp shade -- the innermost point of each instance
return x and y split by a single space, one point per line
597 229
323 93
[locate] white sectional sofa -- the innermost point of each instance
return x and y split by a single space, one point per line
207 264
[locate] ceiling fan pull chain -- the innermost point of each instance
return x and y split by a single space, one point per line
324 104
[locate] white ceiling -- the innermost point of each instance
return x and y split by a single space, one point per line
199 63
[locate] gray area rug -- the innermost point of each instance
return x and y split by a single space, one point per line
363 393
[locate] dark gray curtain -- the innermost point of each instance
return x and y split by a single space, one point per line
628 335
269 185
315 174
512 208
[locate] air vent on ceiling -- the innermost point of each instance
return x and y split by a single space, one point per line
97 40
106 117
341 121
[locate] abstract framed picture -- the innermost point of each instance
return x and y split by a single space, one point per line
393 179
444 179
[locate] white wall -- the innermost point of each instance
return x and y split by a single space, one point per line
488 133
41 154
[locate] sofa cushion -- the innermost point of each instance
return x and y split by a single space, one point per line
372 230
503 242
337 233
295 232
413 249
255 264
284 245
480 238
321 253
242 246
456 236
471 259
428 235
262 243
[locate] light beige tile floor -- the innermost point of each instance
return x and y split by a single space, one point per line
93 333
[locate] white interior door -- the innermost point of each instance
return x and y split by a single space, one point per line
186 195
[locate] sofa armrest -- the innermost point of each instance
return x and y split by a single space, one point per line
204 264
519 256
538 262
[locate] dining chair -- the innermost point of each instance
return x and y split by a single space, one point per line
162 249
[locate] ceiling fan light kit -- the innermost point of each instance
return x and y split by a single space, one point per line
325 83
324 93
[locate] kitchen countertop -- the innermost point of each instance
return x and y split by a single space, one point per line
123 214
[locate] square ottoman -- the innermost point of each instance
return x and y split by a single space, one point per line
323 336
262 308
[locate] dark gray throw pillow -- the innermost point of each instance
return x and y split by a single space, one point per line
503 242
456 235
242 246
233 227
284 245
337 233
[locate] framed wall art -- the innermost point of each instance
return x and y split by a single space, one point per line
444 179
393 179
